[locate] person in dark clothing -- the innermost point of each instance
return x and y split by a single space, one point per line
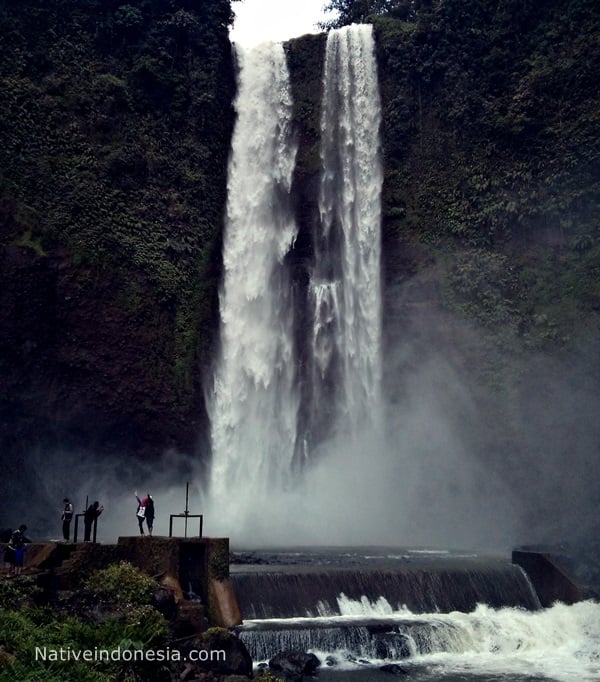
90 516
9 555
150 513
14 555
145 511
140 513
67 517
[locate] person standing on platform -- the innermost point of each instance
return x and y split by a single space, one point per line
15 550
67 517
141 512
145 511
149 513
90 516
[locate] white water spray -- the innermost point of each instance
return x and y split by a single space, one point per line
254 406
561 643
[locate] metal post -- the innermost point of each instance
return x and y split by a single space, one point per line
186 515
76 531
187 511
77 518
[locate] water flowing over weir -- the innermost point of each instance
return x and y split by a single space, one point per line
437 613
558 644
426 588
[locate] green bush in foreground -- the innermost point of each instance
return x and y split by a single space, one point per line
45 643
121 584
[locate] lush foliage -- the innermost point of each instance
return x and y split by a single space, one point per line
358 11
121 584
25 627
115 122
15 592
491 152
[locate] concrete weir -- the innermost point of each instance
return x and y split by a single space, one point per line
552 576
422 585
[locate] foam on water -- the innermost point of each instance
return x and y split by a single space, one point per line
560 643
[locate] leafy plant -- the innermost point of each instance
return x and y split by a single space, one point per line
121 584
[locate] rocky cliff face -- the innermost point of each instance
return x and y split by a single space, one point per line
115 130
114 137
492 250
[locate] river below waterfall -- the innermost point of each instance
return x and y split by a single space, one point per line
469 617
420 674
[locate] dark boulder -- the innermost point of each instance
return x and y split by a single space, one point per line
393 669
391 645
219 651
294 664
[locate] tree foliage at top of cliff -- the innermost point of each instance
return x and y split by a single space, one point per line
490 123
358 11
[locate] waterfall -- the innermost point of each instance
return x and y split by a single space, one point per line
279 396
254 406
345 291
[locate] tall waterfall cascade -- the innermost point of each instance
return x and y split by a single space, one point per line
262 414
253 409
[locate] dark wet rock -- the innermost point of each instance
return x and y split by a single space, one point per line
391 645
234 660
393 669
294 664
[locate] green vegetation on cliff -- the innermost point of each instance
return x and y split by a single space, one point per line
115 125
115 120
492 154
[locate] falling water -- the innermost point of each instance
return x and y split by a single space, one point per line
254 407
262 414
345 291
559 644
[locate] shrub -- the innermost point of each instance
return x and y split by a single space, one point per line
121 584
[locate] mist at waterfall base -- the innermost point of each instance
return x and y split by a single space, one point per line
438 474
427 483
